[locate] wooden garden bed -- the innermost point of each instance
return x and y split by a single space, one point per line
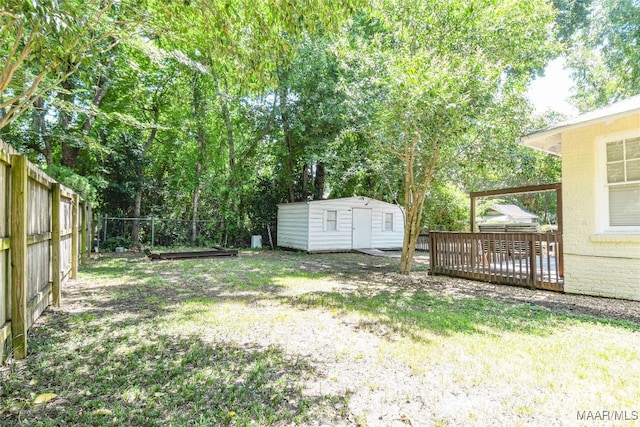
207 253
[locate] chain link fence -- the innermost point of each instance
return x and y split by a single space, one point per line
117 232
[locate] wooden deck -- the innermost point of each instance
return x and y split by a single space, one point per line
532 260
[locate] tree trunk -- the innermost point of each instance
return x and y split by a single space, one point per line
39 128
135 229
286 132
230 141
411 232
232 202
102 87
71 149
199 113
195 201
417 176
3 111
319 182
137 206
305 182
69 154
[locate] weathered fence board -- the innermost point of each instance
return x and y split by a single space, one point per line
38 242
66 230
5 277
39 224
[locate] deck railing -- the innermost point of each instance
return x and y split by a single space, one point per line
423 242
525 259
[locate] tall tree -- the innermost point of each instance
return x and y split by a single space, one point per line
450 65
239 46
604 53
199 109
45 43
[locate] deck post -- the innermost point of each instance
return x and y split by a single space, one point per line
560 247
104 231
82 226
472 225
474 251
532 260
84 234
432 253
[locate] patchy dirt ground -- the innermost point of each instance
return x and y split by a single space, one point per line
362 367
576 304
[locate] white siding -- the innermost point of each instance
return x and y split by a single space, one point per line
598 260
321 240
387 239
302 225
293 226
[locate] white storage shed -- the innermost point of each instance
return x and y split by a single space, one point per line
340 225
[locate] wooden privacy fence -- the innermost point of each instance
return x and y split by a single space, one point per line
44 234
524 259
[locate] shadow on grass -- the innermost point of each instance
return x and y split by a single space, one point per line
389 308
133 290
155 380
389 312
270 263
139 290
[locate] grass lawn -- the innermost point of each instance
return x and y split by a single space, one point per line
283 338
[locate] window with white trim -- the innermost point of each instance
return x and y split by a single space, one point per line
331 221
623 182
387 225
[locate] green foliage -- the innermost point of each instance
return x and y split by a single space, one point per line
87 187
110 244
603 54
449 69
447 208
573 16
46 42
220 111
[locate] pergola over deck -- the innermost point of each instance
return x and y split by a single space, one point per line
557 187
518 258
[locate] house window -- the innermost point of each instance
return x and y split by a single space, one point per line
388 221
331 221
623 180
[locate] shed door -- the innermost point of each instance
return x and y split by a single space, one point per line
361 228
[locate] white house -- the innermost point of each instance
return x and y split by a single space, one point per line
601 198
501 213
340 225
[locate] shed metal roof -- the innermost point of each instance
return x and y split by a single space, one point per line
341 199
